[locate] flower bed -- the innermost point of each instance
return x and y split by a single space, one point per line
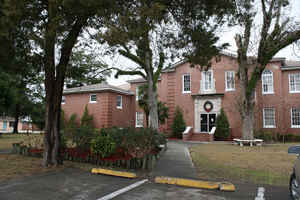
137 150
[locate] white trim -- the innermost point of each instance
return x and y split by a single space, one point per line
229 89
91 98
212 83
63 98
264 124
186 92
296 91
138 125
293 126
137 97
120 107
262 82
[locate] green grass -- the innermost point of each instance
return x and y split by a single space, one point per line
6 140
261 165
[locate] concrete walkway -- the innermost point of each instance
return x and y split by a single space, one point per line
175 162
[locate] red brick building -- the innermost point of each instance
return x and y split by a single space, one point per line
109 105
201 95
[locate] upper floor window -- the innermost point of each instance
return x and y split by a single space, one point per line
63 100
119 101
93 98
139 119
229 80
186 83
269 117
295 117
294 80
267 82
137 96
207 80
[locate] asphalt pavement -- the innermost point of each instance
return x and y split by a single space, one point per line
75 184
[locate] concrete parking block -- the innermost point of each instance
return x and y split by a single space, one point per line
113 173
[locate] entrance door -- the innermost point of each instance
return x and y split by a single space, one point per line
207 122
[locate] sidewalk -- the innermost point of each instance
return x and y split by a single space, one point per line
175 162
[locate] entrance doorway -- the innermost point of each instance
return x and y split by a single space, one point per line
207 122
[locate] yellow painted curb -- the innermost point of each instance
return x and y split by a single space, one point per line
113 173
227 187
188 182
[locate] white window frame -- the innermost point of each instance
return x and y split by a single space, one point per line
264 121
136 120
63 100
187 91
137 97
92 101
211 82
226 83
290 86
121 102
294 126
270 87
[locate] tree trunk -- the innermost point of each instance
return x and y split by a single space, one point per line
17 115
246 105
152 102
52 136
248 125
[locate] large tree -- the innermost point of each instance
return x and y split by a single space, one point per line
150 32
56 26
276 32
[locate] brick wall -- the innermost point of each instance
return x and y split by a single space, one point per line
104 111
170 91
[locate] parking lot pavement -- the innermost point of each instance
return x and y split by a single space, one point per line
64 185
75 184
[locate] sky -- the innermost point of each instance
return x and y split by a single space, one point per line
226 36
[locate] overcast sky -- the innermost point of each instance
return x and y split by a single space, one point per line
226 36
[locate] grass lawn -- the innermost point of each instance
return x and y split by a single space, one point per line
269 164
6 140
15 166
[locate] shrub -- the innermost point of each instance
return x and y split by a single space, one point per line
83 137
222 126
136 142
103 145
297 138
267 136
178 125
87 119
70 127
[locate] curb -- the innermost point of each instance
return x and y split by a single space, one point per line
113 173
196 183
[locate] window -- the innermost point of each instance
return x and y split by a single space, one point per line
294 83
229 80
269 117
11 124
267 82
295 115
137 97
207 80
93 98
139 119
186 83
63 100
119 101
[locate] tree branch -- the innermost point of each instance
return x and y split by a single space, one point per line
160 66
132 57
124 72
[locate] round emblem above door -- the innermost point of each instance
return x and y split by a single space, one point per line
208 106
